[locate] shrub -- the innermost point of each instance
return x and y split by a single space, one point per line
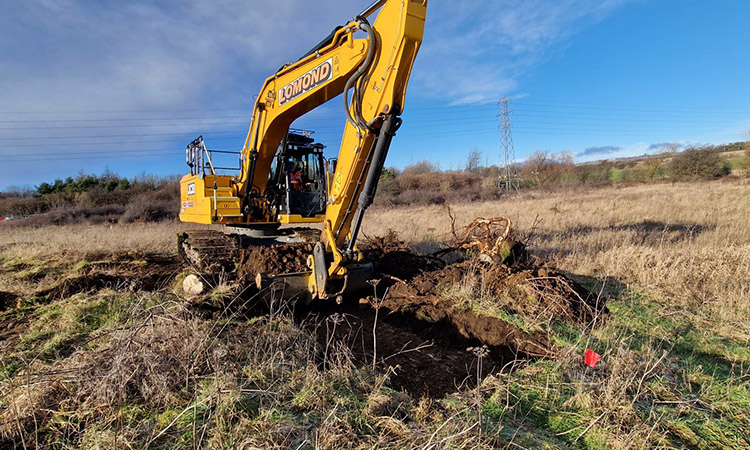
421 167
594 174
388 187
699 162
73 215
151 207
21 207
542 168
419 197
388 174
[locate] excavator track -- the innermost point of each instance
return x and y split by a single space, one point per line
210 251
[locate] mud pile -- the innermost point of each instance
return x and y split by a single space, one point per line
508 300
273 260
500 305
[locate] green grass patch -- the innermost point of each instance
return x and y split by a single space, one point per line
61 326
697 390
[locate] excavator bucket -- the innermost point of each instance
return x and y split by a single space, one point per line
301 286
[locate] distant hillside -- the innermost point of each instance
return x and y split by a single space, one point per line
93 199
108 198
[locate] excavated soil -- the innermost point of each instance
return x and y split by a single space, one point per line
415 325
509 304
538 294
424 358
273 260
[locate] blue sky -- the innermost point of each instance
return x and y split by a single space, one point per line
89 85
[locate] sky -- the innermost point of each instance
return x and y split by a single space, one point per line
89 86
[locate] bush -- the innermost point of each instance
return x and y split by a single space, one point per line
746 160
431 188
21 207
73 215
543 168
635 175
388 187
152 207
96 199
422 167
699 162
593 174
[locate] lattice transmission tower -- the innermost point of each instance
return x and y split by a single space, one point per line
509 179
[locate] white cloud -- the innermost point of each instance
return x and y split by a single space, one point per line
69 54
475 50
191 55
78 54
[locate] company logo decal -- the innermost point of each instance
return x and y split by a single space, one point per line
306 82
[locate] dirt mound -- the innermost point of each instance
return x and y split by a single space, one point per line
393 258
273 260
535 292
496 304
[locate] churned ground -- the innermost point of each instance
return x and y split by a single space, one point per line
99 349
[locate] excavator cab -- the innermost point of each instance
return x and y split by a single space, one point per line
296 186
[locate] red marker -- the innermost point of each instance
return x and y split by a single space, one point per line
591 358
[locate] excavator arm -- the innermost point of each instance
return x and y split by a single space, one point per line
372 71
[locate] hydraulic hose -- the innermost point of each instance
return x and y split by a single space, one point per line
357 121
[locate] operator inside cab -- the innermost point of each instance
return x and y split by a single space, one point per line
297 180
295 176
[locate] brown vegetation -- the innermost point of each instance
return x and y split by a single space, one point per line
93 200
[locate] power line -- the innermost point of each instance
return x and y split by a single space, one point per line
145 155
113 126
651 122
123 120
107 136
615 107
544 112
416 106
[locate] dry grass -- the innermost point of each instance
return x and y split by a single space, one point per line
687 244
79 241
676 259
154 374
110 369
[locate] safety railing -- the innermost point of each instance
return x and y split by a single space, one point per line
200 159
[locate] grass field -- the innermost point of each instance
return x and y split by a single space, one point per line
97 351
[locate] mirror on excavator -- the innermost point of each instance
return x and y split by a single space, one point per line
297 181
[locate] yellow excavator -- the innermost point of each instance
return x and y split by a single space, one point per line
283 177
